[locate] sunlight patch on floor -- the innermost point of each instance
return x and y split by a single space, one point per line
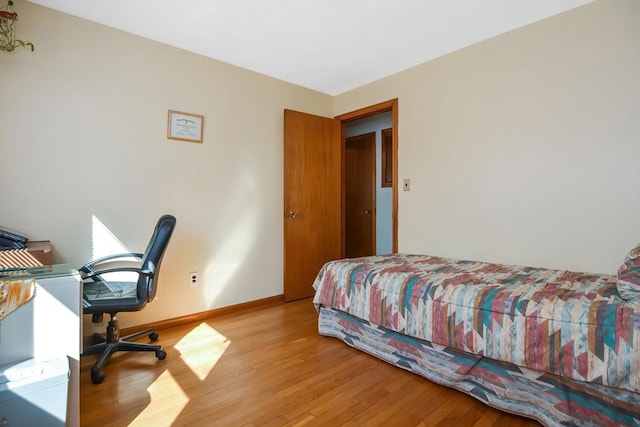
202 362
167 400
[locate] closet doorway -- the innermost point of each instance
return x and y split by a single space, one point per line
360 195
368 202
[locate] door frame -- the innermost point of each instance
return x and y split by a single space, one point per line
382 107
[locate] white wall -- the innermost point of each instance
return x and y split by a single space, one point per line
384 195
524 148
83 133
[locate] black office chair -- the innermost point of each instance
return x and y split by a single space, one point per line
101 295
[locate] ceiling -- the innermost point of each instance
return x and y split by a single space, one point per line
330 46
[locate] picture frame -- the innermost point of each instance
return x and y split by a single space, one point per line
183 126
387 158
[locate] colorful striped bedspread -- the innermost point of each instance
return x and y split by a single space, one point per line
566 323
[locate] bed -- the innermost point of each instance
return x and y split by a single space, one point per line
558 346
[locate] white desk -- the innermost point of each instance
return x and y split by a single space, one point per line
48 326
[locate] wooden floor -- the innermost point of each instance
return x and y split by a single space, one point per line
269 367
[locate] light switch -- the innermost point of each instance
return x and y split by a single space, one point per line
406 184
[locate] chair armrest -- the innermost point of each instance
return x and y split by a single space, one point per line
88 267
97 273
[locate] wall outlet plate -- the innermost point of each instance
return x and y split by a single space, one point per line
193 278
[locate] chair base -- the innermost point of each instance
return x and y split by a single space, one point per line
107 346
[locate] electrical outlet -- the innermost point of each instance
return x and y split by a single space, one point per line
193 278
406 184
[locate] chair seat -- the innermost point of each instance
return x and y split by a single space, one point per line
104 294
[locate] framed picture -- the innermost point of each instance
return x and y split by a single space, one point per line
387 158
184 126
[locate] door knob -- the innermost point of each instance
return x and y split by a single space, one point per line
367 211
291 214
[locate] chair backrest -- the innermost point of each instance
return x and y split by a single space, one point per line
152 257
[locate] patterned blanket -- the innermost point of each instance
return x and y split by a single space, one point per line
565 323
14 294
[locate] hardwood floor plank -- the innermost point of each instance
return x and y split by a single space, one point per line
269 367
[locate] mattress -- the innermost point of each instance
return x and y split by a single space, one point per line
569 324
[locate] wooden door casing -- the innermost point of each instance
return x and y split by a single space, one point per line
312 199
390 105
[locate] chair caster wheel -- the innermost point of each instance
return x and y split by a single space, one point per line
97 376
153 336
161 354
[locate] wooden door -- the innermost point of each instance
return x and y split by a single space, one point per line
360 195
312 199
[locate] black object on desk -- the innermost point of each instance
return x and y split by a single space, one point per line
9 240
